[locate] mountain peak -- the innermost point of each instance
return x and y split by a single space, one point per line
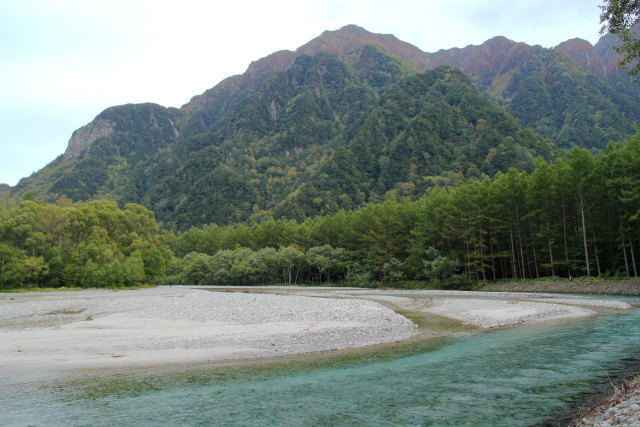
600 59
339 42
350 29
498 43
578 49
342 42
350 37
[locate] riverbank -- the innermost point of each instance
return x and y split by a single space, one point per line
621 407
630 287
177 325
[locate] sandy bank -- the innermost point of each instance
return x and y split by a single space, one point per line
100 328
482 309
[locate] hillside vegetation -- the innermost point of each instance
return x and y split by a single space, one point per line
356 158
575 216
347 119
322 136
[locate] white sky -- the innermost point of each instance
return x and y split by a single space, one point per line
64 61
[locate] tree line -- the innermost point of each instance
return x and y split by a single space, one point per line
576 216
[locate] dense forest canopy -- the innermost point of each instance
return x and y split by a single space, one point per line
575 216
93 244
324 135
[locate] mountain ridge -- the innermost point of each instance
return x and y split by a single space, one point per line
269 141
479 61
491 66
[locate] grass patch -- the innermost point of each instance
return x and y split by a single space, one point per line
75 288
66 311
35 289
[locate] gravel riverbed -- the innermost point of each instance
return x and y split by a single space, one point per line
171 325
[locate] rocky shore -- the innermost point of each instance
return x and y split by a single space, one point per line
620 408
576 286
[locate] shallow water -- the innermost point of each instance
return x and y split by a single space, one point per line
514 376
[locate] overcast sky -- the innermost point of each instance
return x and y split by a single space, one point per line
64 61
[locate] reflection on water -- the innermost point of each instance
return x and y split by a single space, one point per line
515 376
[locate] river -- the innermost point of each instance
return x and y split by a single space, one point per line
514 376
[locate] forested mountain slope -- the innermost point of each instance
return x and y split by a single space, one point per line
547 90
344 120
583 100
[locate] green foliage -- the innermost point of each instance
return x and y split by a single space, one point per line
391 270
288 259
577 216
438 267
92 244
554 96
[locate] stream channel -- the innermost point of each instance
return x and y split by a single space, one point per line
523 375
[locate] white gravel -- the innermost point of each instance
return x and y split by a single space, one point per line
497 313
167 325
176 325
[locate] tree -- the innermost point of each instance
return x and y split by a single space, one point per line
582 164
391 270
619 17
11 266
326 259
198 269
289 258
436 266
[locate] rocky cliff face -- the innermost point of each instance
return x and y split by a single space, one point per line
147 121
82 138
600 60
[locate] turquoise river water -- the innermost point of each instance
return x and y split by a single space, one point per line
516 376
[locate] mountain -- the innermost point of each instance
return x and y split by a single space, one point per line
553 91
348 118
209 111
600 60
583 100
